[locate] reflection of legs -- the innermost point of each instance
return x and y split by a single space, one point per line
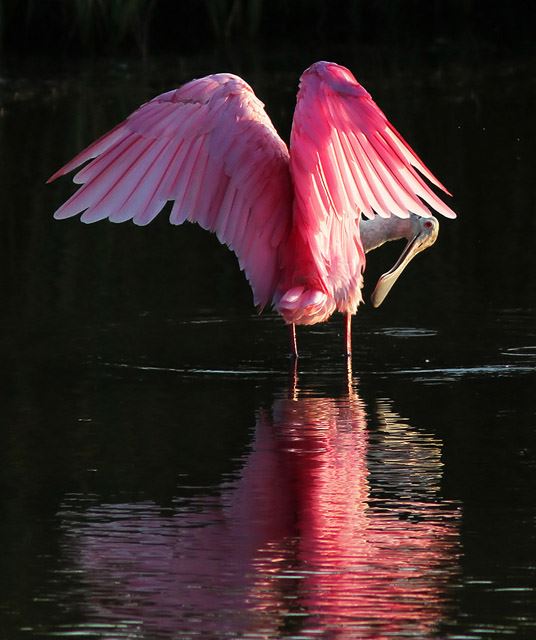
349 377
293 390
348 334
293 344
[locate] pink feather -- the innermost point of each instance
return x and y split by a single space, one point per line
292 219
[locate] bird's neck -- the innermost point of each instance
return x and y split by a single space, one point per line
377 231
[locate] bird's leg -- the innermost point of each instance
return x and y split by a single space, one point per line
293 343
348 334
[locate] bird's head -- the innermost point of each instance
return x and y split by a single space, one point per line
423 234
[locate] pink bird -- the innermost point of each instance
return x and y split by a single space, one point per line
299 220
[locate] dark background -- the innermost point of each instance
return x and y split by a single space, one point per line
86 27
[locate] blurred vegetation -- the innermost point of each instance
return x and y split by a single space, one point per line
85 27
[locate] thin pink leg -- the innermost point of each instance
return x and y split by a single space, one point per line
348 334
293 343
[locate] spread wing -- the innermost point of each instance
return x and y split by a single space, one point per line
346 160
210 147
358 162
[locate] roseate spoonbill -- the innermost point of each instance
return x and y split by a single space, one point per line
292 217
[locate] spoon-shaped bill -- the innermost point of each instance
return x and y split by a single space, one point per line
422 240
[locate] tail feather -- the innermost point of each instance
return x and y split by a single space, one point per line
300 305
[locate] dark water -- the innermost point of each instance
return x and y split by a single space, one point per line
163 471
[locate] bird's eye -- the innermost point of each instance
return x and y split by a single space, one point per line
428 225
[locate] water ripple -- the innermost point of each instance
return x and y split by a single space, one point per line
451 374
521 352
334 523
406 332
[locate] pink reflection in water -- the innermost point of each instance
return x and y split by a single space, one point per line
295 544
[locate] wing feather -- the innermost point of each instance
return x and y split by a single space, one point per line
366 200
95 149
365 163
95 168
209 147
378 178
